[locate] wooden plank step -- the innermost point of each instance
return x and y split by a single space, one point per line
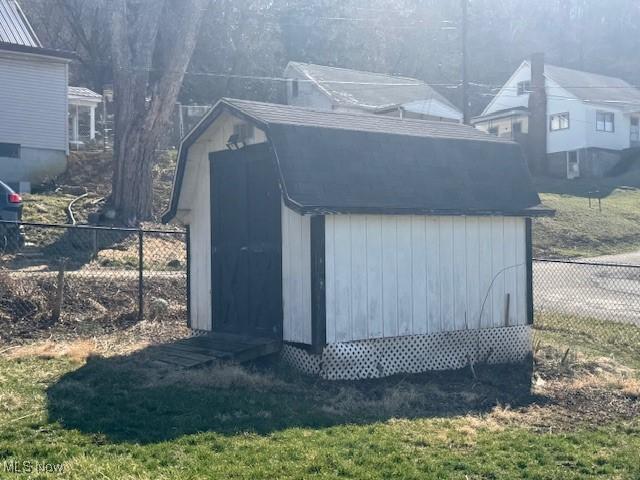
213 346
198 350
206 349
184 362
190 355
216 340
257 352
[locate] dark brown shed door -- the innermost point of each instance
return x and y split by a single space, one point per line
246 243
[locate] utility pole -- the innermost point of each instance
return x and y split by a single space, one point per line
465 68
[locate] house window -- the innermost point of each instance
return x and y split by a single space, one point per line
494 131
524 87
294 88
605 122
559 121
10 150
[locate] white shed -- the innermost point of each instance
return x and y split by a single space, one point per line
368 245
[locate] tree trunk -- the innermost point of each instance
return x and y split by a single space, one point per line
147 81
132 186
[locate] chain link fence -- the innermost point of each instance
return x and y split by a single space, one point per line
80 278
589 307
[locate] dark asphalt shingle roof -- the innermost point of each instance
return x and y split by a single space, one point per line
350 163
368 90
342 171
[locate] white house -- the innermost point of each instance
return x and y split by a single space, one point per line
367 244
33 102
342 89
590 119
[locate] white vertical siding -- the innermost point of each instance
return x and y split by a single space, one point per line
296 276
403 275
200 239
33 100
389 254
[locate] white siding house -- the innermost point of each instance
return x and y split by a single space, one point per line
591 119
347 90
358 271
33 102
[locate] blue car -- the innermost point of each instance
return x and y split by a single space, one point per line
11 236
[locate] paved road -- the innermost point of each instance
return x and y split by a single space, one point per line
603 292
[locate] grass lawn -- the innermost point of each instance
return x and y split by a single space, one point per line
590 336
582 231
122 417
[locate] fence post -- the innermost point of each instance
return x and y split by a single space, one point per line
529 269
188 241
59 298
140 276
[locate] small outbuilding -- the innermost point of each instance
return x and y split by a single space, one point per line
368 245
82 115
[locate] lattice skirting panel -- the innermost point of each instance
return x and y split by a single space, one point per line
382 357
198 333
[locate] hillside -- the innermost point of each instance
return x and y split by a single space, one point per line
579 230
91 172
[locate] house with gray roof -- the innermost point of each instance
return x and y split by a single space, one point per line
589 121
342 89
33 102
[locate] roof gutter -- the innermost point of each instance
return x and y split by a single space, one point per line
38 51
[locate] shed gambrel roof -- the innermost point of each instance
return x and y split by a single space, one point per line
368 90
353 163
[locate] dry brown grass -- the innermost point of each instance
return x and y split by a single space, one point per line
92 307
119 342
77 351
10 400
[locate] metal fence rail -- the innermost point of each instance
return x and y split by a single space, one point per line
80 274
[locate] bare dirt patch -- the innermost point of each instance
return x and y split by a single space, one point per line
578 392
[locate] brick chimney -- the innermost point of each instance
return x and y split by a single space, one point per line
537 145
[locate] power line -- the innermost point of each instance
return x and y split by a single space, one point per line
385 84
